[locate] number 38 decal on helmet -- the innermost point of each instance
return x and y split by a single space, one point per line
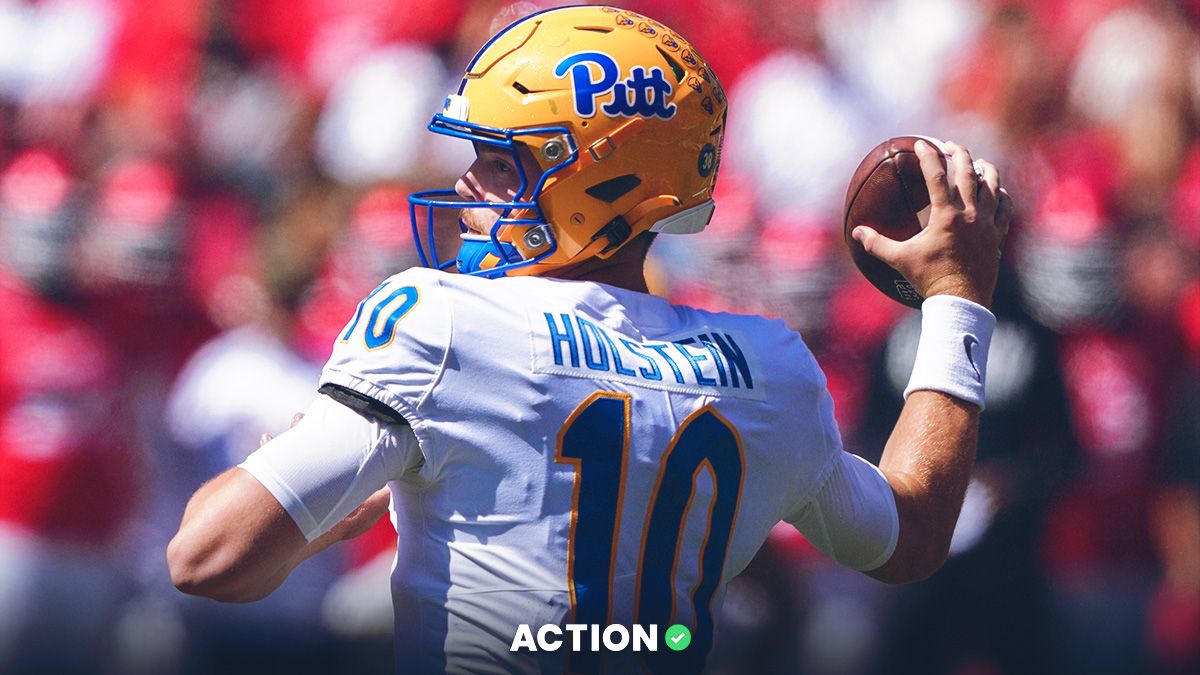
620 132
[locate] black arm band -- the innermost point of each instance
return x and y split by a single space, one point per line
362 404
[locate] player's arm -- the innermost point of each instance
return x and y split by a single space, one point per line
320 482
953 263
237 543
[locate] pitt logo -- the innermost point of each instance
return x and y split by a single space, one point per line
643 94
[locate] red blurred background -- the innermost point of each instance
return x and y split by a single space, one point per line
195 195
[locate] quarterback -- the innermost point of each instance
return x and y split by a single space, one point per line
556 446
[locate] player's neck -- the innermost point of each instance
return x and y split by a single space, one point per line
625 269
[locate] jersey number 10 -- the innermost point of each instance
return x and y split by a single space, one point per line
399 303
704 441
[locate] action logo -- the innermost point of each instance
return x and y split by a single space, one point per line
643 94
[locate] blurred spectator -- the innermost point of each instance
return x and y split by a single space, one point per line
246 123
55 50
130 261
39 201
223 273
133 238
1068 249
69 468
1082 275
245 382
1007 90
1173 621
795 167
803 268
372 127
318 41
895 81
1128 79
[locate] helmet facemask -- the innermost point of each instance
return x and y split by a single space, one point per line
521 236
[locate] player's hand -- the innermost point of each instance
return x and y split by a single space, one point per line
958 252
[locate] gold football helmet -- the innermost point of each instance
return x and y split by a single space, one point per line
623 118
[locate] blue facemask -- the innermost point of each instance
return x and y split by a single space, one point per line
475 249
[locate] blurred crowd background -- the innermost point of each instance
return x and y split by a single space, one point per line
195 195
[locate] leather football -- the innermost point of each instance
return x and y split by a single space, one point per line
888 193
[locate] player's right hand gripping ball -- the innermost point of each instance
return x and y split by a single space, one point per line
888 193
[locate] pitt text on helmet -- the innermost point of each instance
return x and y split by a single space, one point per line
643 94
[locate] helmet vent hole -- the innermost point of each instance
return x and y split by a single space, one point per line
614 188
520 87
595 29
676 69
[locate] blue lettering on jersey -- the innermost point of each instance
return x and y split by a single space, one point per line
653 373
600 362
712 360
643 94
695 360
712 349
661 348
557 338
617 365
733 353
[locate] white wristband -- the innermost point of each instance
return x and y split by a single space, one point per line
953 350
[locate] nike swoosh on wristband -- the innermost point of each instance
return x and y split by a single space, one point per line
969 343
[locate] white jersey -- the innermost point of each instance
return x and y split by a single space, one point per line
587 455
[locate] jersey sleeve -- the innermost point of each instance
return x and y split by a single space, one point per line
849 512
395 345
331 462
852 517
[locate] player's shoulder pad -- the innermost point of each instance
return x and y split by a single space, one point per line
793 357
394 345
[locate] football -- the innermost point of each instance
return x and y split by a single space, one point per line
888 193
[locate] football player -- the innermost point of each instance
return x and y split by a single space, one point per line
559 446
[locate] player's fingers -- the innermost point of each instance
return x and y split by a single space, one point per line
264 439
933 166
1004 212
987 198
962 174
296 418
887 250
